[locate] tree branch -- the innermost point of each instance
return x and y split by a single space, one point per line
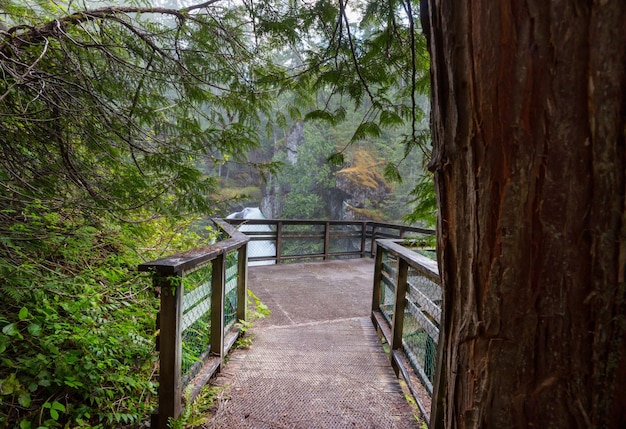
199 6
409 13
355 60
56 28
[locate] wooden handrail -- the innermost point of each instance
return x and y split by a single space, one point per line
406 297
168 278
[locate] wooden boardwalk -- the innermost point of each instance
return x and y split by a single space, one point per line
317 361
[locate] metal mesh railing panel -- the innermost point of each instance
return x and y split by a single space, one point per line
261 249
344 239
420 332
230 292
196 320
302 240
388 286
262 243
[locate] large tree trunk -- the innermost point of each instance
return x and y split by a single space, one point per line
529 107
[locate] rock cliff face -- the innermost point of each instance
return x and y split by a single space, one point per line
273 198
293 140
364 187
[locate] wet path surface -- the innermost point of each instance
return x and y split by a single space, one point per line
317 361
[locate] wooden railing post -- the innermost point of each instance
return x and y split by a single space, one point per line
378 278
373 246
169 344
398 310
363 238
242 281
279 240
218 282
326 239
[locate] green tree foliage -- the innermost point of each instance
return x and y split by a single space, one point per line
310 180
366 82
424 202
108 109
380 64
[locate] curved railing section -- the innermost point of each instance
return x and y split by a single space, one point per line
406 309
275 241
202 295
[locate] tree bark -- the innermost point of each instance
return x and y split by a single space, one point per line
529 156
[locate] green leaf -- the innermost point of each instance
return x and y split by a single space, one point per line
294 112
336 159
34 329
8 385
24 399
392 174
320 115
58 406
10 330
340 114
388 118
71 381
4 342
54 408
23 314
366 129
331 76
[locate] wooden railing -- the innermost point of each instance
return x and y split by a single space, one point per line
202 294
406 309
300 240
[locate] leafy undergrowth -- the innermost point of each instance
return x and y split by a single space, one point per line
77 322
196 413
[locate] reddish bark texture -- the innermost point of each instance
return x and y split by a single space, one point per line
529 108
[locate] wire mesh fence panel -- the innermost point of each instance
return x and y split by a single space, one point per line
262 243
302 240
426 293
261 249
420 332
192 287
388 286
196 321
345 239
230 292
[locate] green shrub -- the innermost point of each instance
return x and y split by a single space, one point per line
77 331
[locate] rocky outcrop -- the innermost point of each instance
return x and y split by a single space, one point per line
293 140
272 200
363 186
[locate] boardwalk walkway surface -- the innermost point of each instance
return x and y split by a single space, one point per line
317 361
